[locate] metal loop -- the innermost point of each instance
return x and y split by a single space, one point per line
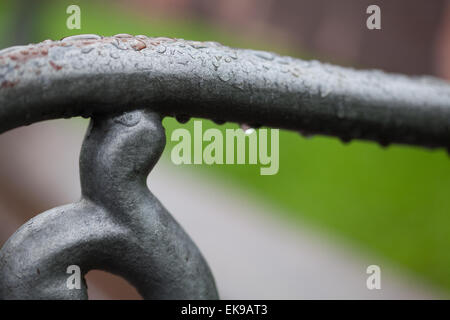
117 226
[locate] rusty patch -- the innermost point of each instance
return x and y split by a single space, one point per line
138 45
55 66
8 84
27 54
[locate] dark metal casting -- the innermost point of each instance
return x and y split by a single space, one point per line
126 83
118 225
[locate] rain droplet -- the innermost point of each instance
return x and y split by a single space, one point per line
233 55
161 49
283 61
383 141
198 45
212 43
345 139
123 35
164 39
225 76
182 118
215 64
138 45
265 55
247 129
305 134
82 37
324 91
119 44
219 121
340 111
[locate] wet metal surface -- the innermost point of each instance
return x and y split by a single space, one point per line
90 74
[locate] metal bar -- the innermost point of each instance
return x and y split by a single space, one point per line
89 74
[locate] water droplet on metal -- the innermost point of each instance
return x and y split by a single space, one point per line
182 118
161 49
212 43
82 37
345 139
215 64
164 39
324 91
219 121
305 134
247 129
138 45
340 112
141 37
233 55
198 45
123 35
264 55
283 61
384 142
225 76
119 44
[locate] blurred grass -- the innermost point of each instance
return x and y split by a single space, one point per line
394 201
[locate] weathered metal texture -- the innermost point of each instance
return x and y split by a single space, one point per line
117 226
89 74
125 84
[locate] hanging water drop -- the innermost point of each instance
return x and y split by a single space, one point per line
182 118
247 129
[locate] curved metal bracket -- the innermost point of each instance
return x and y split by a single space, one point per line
117 226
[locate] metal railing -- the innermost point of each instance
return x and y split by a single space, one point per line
126 84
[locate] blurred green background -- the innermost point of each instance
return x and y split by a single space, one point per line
393 201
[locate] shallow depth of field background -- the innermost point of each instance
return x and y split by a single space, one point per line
390 203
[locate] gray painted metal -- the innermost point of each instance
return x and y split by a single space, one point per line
89 74
118 225
126 83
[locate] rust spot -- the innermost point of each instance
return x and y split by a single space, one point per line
55 66
27 54
8 84
138 45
